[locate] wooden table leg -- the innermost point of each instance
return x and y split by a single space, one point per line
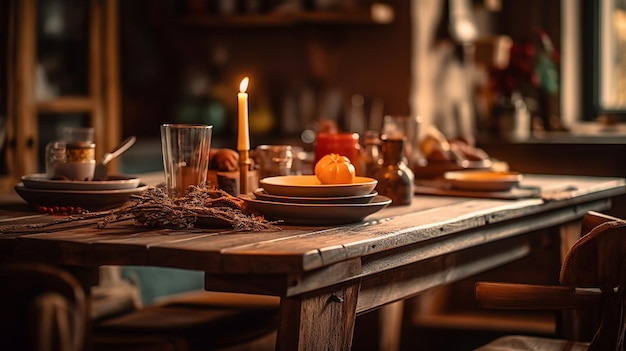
323 321
390 326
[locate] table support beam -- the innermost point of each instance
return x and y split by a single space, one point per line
309 322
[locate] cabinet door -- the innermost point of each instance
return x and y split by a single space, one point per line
62 70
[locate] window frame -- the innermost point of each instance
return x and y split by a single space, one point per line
590 38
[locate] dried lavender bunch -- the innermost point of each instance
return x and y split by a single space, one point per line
153 208
201 203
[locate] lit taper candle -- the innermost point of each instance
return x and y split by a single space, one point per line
243 137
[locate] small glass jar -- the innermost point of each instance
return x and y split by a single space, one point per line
395 178
70 160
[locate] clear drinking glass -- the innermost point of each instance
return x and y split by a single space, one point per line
186 149
395 127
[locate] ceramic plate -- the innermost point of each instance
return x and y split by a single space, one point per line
437 169
90 200
317 214
261 194
114 182
310 186
483 180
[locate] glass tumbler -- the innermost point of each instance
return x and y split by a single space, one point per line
407 127
186 149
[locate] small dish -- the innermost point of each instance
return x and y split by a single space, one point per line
437 169
483 180
114 182
90 200
317 214
310 186
261 194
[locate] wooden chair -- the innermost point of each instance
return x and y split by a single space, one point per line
593 275
43 309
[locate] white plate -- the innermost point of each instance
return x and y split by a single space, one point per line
483 180
310 186
115 182
317 214
261 194
90 200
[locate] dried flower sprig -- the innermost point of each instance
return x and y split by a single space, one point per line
201 205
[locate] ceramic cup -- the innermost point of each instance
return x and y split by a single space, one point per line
73 157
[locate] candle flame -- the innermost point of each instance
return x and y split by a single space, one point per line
244 85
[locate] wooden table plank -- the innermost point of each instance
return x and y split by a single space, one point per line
309 251
314 249
288 284
206 253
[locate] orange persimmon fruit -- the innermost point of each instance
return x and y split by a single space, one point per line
335 169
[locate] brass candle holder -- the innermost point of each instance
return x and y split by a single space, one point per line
244 167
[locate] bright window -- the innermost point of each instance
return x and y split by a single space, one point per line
612 55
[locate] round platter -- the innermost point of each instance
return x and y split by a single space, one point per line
310 186
317 214
483 180
437 169
114 182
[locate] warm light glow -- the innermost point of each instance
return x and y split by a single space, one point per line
244 85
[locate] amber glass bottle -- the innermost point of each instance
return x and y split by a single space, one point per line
395 179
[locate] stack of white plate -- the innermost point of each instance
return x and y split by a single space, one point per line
303 200
38 190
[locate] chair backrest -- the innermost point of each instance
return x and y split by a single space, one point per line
598 260
42 308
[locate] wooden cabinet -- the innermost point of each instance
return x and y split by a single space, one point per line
176 34
31 114
297 62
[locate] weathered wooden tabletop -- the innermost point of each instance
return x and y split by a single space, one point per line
328 274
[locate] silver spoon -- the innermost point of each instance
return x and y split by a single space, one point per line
101 170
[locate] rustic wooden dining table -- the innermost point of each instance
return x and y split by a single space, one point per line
327 275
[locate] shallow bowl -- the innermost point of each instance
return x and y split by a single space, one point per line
310 186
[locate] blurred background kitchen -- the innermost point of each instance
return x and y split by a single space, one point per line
539 84
517 77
